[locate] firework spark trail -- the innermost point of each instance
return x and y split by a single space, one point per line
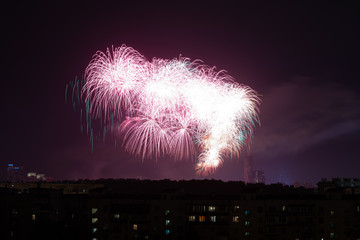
173 107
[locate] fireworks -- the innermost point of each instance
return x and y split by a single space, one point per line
173 107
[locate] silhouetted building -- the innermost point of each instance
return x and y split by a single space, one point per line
208 209
349 185
305 185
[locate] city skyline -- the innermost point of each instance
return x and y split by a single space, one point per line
300 58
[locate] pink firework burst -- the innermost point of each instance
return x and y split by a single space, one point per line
176 107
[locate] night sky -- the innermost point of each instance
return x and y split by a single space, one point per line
302 59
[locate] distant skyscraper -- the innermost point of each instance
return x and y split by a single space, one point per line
259 176
34 177
15 173
248 170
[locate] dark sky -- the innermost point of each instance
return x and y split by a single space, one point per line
303 59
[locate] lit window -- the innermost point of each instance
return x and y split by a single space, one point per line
94 210
167 231
167 212
33 217
201 218
332 212
235 219
203 209
357 208
211 208
135 226
236 208
213 218
283 208
94 230
167 222
247 212
247 234
94 238
116 216
94 220
332 235
191 218
247 223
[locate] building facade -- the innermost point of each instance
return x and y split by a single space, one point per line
215 210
